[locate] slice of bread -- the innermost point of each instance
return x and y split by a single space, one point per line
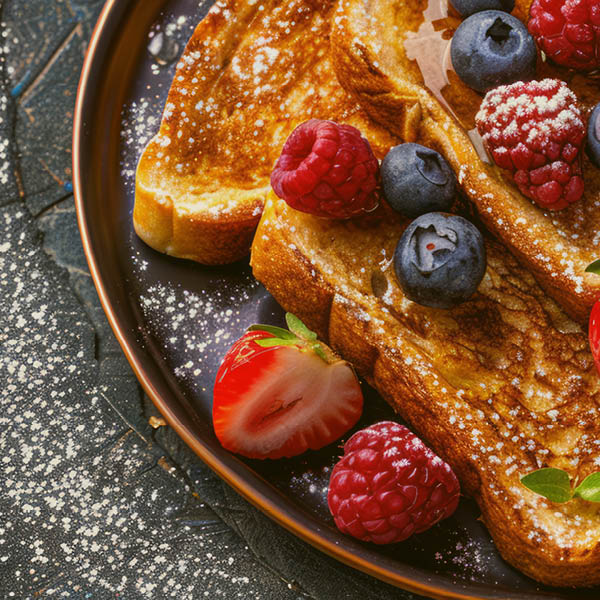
392 55
251 73
499 386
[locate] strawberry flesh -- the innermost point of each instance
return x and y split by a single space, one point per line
280 401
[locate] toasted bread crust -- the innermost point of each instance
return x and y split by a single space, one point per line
196 233
187 202
410 355
371 63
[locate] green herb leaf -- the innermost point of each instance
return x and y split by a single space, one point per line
270 342
553 484
594 267
279 332
589 488
299 328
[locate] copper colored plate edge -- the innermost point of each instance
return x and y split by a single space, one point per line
256 498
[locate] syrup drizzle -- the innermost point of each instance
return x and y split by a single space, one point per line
431 50
428 47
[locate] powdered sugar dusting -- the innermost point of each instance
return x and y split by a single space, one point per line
196 328
554 104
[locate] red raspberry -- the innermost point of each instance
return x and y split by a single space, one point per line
389 485
327 170
536 130
568 31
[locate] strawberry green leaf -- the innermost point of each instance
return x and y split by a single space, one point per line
270 342
594 267
589 488
279 332
553 484
299 328
318 350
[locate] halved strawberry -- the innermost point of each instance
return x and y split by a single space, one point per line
594 333
279 393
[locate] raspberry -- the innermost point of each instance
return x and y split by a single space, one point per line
536 130
327 170
567 31
389 485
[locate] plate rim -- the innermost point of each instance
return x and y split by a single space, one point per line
255 497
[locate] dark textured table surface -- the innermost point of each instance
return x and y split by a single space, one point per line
94 501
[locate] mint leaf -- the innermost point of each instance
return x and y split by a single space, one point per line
594 267
270 342
299 328
279 332
553 484
589 488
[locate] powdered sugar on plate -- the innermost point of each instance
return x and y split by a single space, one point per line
196 329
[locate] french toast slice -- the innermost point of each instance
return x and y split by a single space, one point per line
393 56
250 73
499 386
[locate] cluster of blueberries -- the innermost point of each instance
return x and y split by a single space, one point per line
440 258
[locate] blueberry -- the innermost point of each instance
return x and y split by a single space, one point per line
493 48
440 260
593 136
466 8
417 180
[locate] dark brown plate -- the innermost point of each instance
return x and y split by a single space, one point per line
175 319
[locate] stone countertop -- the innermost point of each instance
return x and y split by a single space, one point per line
95 501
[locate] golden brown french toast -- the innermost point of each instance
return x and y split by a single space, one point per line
393 55
499 386
250 73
